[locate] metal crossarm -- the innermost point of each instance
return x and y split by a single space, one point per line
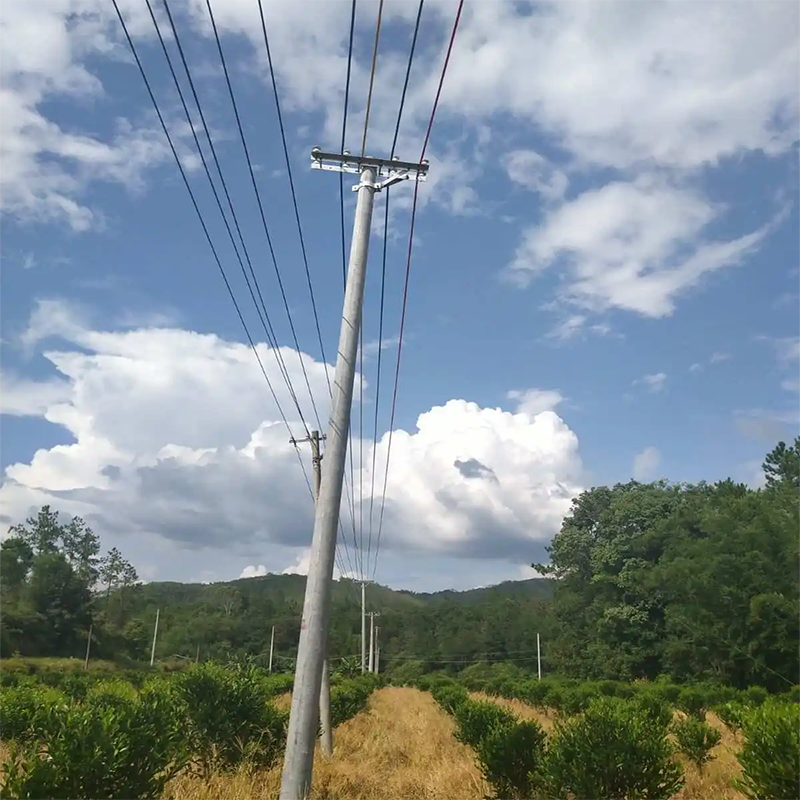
393 170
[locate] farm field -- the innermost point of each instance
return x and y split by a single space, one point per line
214 731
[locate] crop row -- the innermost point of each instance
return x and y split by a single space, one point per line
116 740
619 747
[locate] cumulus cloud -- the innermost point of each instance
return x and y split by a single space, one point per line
533 171
646 463
633 246
654 382
157 453
253 571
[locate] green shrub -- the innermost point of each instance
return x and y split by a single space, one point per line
653 704
613 750
731 714
449 696
770 757
756 695
24 712
475 720
408 673
696 739
693 701
348 698
96 752
794 694
535 693
230 718
111 694
511 756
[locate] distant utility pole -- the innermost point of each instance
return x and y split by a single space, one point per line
88 647
325 725
364 626
271 647
539 656
377 651
155 636
299 757
372 615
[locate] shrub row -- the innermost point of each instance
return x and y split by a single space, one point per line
617 747
118 740
612 749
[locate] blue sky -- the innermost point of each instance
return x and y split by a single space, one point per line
604 279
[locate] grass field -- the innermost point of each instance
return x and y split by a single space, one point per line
403 747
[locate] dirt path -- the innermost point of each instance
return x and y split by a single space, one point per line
400 748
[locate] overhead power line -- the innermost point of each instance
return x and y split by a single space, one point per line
260 204
261 311
383 290
203 224
408 271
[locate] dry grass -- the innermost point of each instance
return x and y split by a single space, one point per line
283 701
713 781
401 747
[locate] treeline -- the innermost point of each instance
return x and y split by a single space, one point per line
693 582
55 586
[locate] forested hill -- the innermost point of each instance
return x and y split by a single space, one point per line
689 581
237 617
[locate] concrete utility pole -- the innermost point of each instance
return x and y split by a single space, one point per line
88 647
325 725
372 615
299 757
271 648
539 656
155 636
363 626
377 651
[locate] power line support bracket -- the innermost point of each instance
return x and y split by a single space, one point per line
392 170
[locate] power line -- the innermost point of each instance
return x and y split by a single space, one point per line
408 272
383 288
290 174
203 224
372 77
251 171
264 318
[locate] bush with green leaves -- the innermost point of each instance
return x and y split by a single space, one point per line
111 694
475 719
230 718
511 755
770 756
696 739
24 711
731 714
614 749
653 704
693 701
449 696
348 698
96 752
756 695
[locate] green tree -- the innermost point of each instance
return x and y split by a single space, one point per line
782 466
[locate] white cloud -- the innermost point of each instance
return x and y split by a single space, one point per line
533 171
634 246
47 166
157 457
696 367
654 381
716 358
646 463
681 85
253 571
534 401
